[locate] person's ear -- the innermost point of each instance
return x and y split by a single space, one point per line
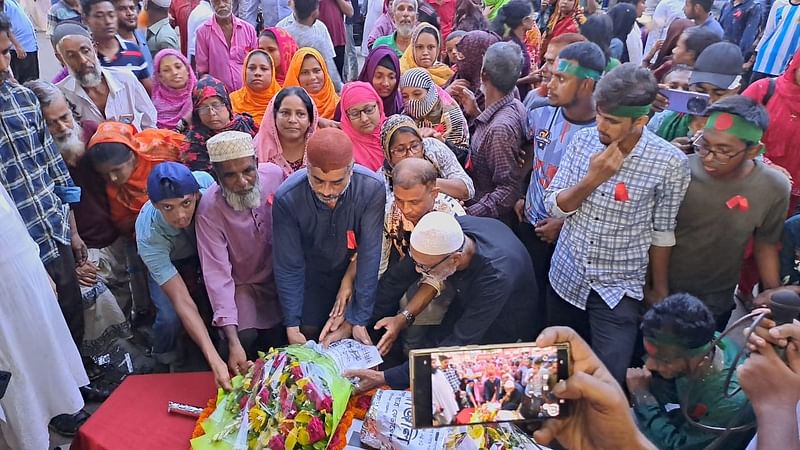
754 150
586 87
641 122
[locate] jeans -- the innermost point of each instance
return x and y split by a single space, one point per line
350 57
610 332
166 327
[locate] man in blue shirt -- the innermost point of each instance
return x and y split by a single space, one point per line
112 51
323 214
741 20
700 12
25 55
166 242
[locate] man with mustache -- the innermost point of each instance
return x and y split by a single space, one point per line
221 45
323 215
404 15
234 241
98 93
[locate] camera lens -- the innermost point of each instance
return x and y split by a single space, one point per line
697 105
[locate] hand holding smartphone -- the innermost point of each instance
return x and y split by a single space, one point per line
695 103
487 384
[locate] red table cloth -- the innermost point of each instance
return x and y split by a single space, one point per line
135 416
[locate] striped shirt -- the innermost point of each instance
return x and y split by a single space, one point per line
780 40
129 57
604 244
32 171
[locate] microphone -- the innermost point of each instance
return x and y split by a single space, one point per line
785 307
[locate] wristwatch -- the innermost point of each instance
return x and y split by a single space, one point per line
409 317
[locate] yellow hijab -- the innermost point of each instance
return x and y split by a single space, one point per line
440 73
327 98
246 100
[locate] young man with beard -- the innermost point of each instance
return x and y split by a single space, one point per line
324 214
492 276
404 15
537 98
101 18
551 128
100 94
166 241
618 187
128 28
235 242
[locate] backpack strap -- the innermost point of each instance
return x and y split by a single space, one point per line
770 92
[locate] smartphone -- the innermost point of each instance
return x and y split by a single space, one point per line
496 383
5 378
695 103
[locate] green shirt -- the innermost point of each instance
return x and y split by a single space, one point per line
707 404
390 42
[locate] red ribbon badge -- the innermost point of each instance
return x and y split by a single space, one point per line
698 411
351 240
270 199
738 201
621 192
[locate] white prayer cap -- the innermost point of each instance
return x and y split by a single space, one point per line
230 145
162 3
437 233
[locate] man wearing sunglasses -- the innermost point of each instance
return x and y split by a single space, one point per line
731 198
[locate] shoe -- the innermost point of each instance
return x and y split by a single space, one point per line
95 392
67 425
93 371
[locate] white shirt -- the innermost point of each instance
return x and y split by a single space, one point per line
127 101
634 44
199 15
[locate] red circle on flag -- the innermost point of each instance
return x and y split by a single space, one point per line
724 121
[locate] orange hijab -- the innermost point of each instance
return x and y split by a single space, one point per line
246 100
327 98
151 146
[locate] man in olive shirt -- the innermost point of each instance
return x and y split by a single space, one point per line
731 198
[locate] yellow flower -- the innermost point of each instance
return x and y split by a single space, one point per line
257 419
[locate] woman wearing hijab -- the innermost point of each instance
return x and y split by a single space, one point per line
469 16
281 46
212 114
435 112
309 71
382 70
384 26
663 62
567 17
259 85
400 139
471 50
291 118
781 139
623 16
513 23
362 117
173 83
424 51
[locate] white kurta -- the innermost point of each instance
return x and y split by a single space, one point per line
35 343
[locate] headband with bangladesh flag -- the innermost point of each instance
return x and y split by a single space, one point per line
734 125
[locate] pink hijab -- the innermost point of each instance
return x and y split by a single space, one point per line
172 104
268 143
367 149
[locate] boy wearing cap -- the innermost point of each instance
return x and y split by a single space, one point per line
731 191
619 188
160 34
167 244
234 241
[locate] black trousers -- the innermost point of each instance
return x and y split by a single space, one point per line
339 60
62 271
255 340
25 69
541 253
612 333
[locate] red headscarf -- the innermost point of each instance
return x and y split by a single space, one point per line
287 46
367 149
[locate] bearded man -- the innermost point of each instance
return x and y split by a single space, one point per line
98 93
234 241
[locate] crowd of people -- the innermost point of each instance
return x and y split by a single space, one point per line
230 176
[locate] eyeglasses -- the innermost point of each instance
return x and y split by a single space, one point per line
422 268
413 149
355 114
217 107
702 148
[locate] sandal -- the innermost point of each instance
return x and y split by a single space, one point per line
67 425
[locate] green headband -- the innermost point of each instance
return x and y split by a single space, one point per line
633 112
577 70
735 126
676 346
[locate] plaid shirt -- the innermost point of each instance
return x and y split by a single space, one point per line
32 171
496 142
605 242
452 377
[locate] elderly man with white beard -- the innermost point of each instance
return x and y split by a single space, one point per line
234 241
100 94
